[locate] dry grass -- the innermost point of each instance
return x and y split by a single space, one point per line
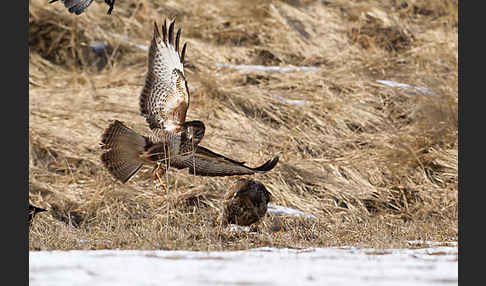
376 165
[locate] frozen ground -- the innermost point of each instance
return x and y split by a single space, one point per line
435 265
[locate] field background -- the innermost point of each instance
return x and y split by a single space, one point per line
376 165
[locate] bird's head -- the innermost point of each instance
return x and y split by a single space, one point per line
194 131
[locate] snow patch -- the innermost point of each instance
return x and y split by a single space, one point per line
260 266
284 211
262 68
414 89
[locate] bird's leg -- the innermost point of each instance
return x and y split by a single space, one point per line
157 174
111 3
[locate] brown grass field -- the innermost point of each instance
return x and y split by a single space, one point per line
376 165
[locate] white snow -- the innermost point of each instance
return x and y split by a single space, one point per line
268 68
262 266
299 102
129 40
407 87
283 211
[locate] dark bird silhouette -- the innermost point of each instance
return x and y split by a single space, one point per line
173 141
245 203
33 210
78 6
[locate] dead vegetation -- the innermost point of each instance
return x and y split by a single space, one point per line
376 165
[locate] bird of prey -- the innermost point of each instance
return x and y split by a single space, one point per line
245 203
173 141
33 210
78 6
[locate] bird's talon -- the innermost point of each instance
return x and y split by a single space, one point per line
157 179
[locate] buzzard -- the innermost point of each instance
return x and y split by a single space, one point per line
78 6
245 203
173 141
33 210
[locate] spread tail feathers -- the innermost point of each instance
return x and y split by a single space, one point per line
124 146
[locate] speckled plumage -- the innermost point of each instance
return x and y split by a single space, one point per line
245 203
79 6
173 142
165 96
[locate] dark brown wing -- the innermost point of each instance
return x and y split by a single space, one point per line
208 163
165 98
33 210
